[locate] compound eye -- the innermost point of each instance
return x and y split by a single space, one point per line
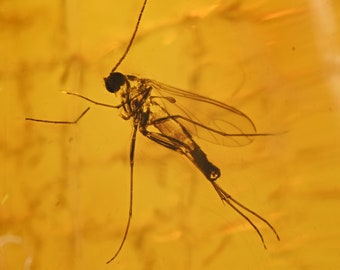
114 81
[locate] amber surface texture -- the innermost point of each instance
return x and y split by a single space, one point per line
64 189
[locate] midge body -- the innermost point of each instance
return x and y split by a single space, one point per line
162 113
146 109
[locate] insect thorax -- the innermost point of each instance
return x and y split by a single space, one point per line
133 94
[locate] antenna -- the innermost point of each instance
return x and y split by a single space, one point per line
132 38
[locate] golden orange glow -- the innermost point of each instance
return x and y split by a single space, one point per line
64 189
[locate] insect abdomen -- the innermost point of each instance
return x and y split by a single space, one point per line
201 161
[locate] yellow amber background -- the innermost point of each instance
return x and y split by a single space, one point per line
64 188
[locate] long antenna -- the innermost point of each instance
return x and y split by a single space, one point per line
132 38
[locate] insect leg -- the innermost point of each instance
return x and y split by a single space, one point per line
59 122
132 159
241 134
225 197
93 101
193 152
166 141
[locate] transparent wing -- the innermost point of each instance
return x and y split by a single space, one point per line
204 117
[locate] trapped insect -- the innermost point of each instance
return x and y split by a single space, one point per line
161 113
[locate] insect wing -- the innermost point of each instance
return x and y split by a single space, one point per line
206 118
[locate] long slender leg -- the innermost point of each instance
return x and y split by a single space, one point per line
132 158
164 140
193 152
59 122
175 117
187 119
206 167
93 101
225 197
